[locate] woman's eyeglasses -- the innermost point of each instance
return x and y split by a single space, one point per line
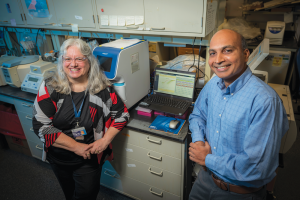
77 60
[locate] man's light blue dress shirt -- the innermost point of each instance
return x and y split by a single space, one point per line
243 124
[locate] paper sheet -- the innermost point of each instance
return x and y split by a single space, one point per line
121 20
139 20
211 16
129 20
74 27
13 22
288 17
104 20
121 43
113 20
78 17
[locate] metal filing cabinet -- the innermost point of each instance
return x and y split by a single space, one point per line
145 166
24 110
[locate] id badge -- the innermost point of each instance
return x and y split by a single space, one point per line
78 133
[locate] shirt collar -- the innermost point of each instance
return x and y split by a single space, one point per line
237 84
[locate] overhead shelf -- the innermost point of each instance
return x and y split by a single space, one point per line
267 12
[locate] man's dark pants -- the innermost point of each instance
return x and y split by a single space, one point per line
205 188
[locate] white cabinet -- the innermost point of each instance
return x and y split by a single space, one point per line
175 16
10 9
75 12
37 14
117 8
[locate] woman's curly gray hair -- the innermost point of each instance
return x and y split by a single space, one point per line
97 81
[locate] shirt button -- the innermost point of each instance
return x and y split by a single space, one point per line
214 147
217 131
220 115
231 94
224 98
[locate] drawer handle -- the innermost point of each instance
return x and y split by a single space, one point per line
156 142
31 129
26 105
108 174
161 194
162 28
160 159
40 148
28 117
158 174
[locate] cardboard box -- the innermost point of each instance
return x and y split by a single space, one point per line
19 145
156 48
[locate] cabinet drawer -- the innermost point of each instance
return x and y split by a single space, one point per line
23 106
147 156
36 149
135 189
30 135
148 174
25 118
150 142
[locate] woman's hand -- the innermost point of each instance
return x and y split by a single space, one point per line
82 150
98 146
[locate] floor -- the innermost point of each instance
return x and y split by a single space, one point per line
26 178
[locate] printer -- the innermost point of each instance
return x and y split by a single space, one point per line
15 70
2 60
125 63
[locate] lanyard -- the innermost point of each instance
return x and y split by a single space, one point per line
77 114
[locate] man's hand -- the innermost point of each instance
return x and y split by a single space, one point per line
198 152
98 146
82 150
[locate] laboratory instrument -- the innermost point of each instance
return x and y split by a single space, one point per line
38 73
125 63
275 32
2 60
15 70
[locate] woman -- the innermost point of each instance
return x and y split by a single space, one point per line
77 114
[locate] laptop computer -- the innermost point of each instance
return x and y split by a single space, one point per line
173 91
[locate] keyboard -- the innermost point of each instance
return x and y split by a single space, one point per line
156 99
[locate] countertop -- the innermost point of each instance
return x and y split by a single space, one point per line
136 122
17 93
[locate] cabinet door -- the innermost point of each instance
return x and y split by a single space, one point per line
39 13
174 15
119 9
75 12
10 9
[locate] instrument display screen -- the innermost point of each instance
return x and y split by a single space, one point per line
33 79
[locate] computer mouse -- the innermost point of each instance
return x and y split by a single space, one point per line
174 124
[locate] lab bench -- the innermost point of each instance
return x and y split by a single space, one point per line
148 164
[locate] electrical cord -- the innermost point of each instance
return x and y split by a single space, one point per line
199 62
193 52
36 40
179 62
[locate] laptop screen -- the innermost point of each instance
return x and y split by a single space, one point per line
174 82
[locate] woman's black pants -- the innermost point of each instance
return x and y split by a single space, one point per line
79 182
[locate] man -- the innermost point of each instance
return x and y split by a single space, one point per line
237 125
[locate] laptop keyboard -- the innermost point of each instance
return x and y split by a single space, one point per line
155 99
